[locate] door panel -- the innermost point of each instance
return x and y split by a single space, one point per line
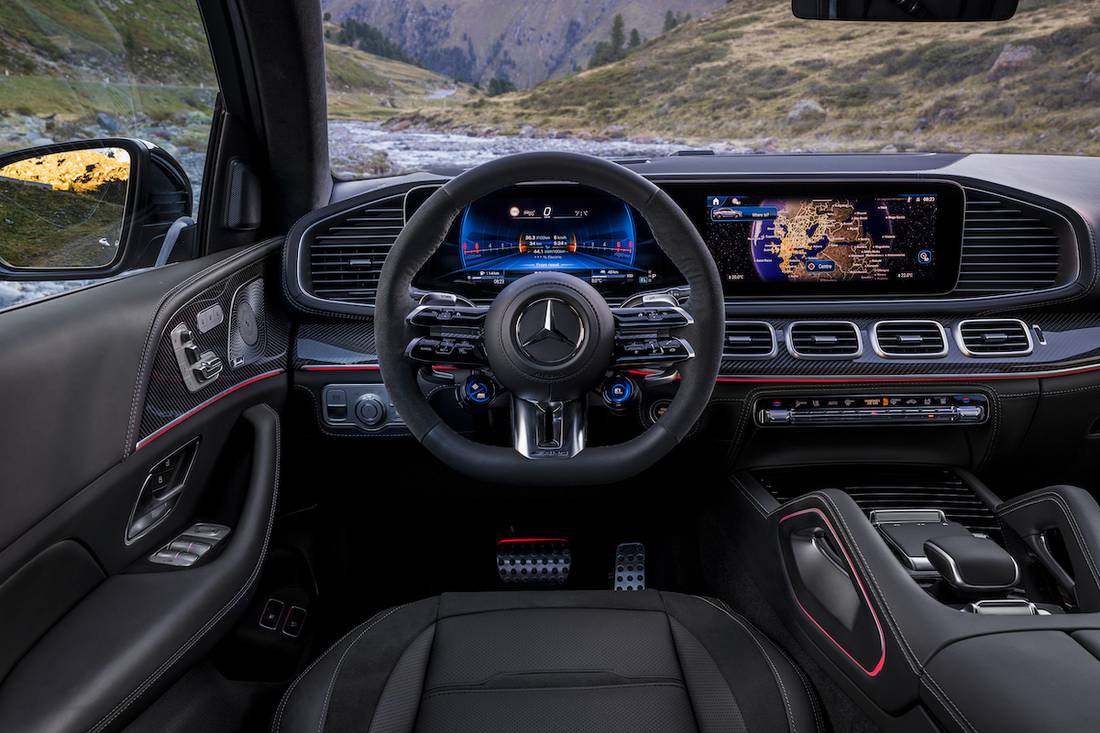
95 400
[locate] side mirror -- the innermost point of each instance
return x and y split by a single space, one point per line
89 209
904 10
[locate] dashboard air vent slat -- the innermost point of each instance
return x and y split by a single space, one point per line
824 339
346 253
994 337
875 487
1008 247
910 339
748 339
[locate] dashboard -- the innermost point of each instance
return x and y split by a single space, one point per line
787 239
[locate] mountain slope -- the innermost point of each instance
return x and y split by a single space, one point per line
753 76
528 42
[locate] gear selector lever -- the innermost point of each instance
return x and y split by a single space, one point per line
972 564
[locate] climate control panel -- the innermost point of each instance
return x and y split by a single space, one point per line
865 409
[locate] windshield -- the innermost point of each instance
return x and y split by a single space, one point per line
450 83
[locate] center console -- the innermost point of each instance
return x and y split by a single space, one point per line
933 600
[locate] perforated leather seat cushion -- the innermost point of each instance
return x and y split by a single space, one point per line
552 661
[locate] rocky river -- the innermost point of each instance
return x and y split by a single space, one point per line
357 150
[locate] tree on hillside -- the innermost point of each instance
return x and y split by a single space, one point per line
500 85
615 47
673 19
366 37
618 36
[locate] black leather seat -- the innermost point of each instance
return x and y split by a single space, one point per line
552 661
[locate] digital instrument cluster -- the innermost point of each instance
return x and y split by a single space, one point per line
551 227
811 238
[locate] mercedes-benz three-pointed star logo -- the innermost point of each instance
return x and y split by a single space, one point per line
549 331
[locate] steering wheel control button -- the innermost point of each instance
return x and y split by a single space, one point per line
658 408
478 390
447 315
273 611
534 561
648 317
370 411
617 392
629 570
654 350
462 351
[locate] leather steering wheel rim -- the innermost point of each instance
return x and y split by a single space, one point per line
674 234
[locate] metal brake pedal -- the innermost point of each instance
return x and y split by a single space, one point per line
534 561
629 570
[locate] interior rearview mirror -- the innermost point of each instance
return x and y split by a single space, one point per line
905 10
87 209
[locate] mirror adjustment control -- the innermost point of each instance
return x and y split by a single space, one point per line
371 411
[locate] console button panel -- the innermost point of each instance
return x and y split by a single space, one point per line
863 409
366 407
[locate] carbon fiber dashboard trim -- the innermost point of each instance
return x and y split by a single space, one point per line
167 399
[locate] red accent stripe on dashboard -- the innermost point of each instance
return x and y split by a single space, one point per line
765 379
341 368
195 410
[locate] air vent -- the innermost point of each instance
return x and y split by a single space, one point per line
884 487
909 339
1008 247
824 340
994 337
749 340
346 252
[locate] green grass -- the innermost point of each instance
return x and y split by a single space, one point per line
42 227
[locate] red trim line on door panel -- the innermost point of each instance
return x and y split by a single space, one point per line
866 599
194 410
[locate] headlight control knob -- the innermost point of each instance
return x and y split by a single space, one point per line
371 411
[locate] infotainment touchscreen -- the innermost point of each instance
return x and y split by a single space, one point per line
821 240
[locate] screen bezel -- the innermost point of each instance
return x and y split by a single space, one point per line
951 206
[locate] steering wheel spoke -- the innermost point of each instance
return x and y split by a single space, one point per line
549 429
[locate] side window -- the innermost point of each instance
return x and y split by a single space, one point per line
105 113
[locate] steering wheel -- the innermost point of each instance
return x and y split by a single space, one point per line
549 338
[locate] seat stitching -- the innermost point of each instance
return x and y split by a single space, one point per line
952 709
182 650
775 671
480 690
340 665
819 721
1060 502
277 725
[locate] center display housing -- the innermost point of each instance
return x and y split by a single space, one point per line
825 238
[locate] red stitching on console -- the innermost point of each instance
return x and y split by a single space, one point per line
882 638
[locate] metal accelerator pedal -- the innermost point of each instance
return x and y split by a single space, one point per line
629 570
534 561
